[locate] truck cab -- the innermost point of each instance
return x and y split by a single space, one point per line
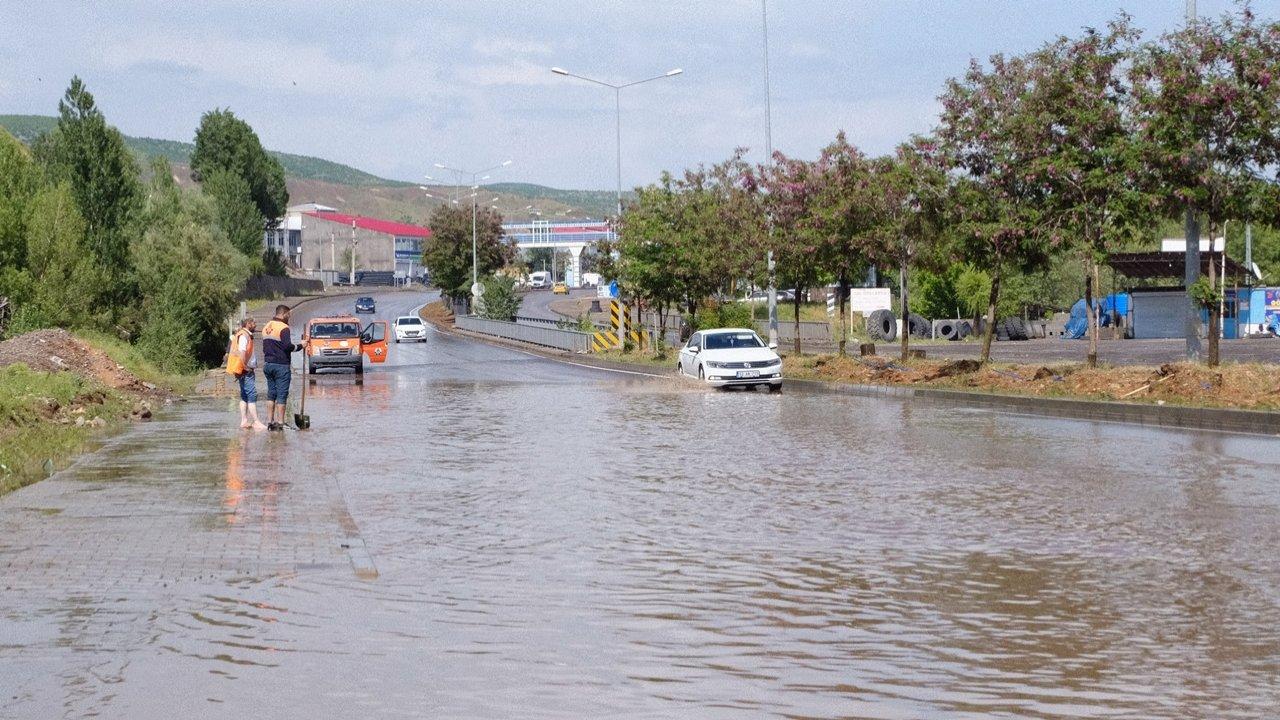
340 342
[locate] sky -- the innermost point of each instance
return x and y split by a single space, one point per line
393 88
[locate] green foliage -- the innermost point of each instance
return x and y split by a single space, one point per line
1204 293
273 263
102 175
188 274
448 252
226 143
501 301
67 281
237 216
17 184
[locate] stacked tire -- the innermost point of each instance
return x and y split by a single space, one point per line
882 326
1013 328
918 327
948 330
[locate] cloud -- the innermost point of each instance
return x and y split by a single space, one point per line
511 46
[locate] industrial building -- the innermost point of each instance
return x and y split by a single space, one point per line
319 239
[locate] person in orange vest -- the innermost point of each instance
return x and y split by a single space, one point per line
240 364
277 346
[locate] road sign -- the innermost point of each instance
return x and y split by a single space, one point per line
477 290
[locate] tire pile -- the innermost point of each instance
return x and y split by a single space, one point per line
953 329
882 326
1012 328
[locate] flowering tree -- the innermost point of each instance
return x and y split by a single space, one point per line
788 190
843 219
1207 111
998 217
909 192
1083 150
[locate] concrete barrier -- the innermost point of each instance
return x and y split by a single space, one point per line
546 336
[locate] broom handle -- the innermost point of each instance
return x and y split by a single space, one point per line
306 380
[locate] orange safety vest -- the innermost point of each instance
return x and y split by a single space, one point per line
273 329
235 363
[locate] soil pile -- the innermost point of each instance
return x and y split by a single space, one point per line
1243 385
57 350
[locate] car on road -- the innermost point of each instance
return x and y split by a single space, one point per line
539 279
590 279
560 289
730 357
340 342
760 296
366 305
410 328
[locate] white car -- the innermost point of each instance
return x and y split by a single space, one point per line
410 328
731 357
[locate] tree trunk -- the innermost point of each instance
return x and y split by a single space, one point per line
991 316
1215 314
906 307
662 326
795 304
842 287
1090 312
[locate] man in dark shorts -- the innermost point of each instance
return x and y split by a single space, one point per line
277 344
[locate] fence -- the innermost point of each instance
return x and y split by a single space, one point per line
563 323
546 336
271 286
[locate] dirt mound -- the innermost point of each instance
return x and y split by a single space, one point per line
58 351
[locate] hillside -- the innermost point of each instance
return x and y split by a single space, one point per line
312 179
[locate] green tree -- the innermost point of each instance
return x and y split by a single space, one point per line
17 186
789 189
501 301
66 277
189 275
104 179
448 252
225 142
236 215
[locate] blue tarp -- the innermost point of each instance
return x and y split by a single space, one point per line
1109 308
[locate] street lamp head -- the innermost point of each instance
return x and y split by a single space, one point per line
559 71
506 163
676 71
440 166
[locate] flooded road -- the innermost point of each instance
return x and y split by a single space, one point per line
478 533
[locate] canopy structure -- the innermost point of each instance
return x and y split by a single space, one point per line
1163 265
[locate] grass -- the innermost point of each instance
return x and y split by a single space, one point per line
37 426
641 357
131 359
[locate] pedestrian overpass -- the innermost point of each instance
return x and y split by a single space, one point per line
572 236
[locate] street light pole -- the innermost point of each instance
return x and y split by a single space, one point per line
617 107
768 150
1191 265
475 191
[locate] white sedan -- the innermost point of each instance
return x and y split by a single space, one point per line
410 328
731 357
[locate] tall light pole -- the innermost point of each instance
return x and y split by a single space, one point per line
1191 265
768 151
475 190
617 107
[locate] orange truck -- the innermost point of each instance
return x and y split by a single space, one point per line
340 342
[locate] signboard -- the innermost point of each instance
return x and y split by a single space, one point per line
1271 310
607 291
868 300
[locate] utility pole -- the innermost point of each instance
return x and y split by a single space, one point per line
1191 266
352 277
768 150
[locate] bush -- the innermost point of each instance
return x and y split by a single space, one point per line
500 301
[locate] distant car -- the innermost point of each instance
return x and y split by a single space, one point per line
539 279
365 305
590 279
731 357
410 328
560 289
760 296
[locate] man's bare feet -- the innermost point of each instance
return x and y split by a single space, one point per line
245 425
259 426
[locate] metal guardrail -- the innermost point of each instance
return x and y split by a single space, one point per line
563 323
552 337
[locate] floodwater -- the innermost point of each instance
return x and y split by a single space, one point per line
478 533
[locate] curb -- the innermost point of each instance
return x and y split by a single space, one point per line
1250 422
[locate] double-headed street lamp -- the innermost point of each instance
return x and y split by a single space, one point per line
617 104
475 190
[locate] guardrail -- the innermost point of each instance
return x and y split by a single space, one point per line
552 337
561 323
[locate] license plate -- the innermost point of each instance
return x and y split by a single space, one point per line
748 373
